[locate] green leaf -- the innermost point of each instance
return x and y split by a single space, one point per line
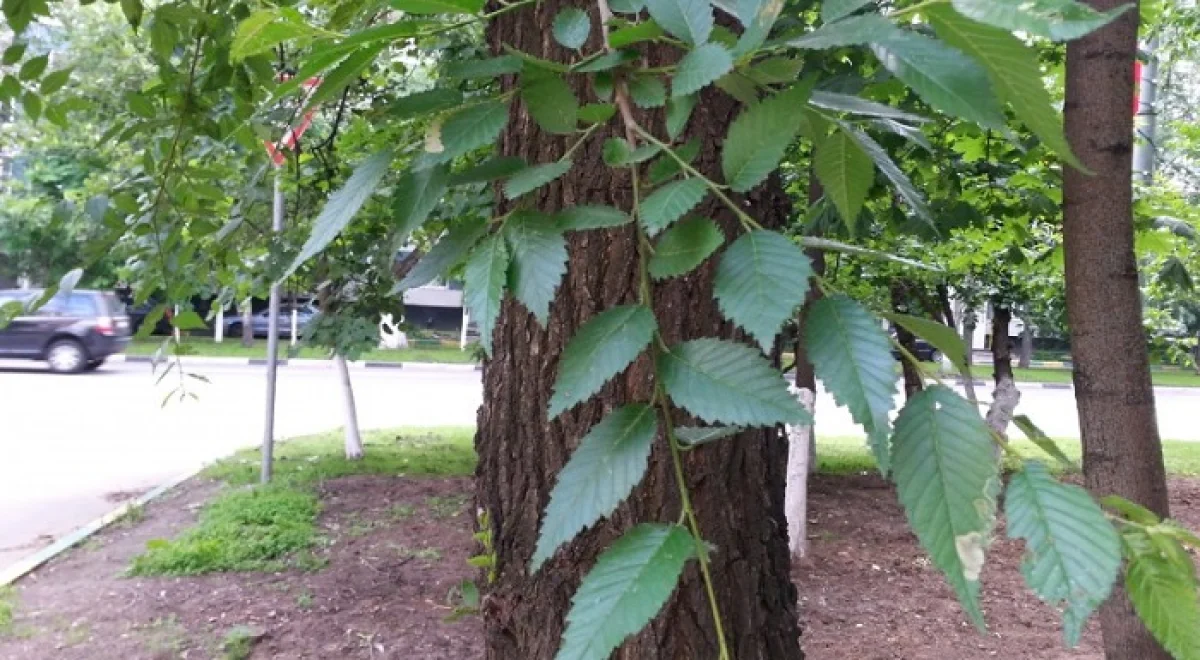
13 54
551 103
597 113
846 174
54 81
472 127
689 20
346 73
900 181
488 68
684 246
775 70
853 358
1162 588
1043 441
625 590
627 6
387 32
188 319
150 321
605 62
761 280
267 28
427 102
647 91
1072 553
940 75
485 274
342 206
133 11
852 31
666 167
415 196
679 110
939 335
740 87
760 136
857 105
438 6
602 348
1130 510
539 260
1013 69
617 152
489 170
1058 20
33 67
446 254
699 68
609 463
579 218
532 178
571 27
758 25
702 435
670 202
947 478
832 10
724 382
627 36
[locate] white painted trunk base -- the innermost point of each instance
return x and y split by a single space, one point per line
800 460
354 448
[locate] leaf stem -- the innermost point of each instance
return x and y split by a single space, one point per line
913 9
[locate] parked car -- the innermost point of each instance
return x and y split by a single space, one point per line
72 332
260 321
922 350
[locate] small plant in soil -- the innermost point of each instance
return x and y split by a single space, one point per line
448 506
131 517
304 600
239 642
401 511
8 608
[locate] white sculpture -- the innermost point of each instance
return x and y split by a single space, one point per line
390 335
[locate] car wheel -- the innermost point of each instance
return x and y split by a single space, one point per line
94 365
66 356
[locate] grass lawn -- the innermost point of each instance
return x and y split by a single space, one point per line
206 347
1161 377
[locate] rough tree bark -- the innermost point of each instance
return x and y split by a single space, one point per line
914 381
248 324
1122 453
1005 395
1025 357
738 484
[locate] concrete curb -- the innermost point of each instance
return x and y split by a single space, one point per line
304 363
22 568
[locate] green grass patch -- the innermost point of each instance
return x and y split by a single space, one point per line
418 351
8 609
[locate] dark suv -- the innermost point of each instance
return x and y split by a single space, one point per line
72 332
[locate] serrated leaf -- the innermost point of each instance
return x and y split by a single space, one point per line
940 75
551 103
647 91
684 246
605 62
1043 441
846 174
346 73
472 127
775 70
532 178
571 27
679 110
188 319
689 20
438 6
761 280
487 266
851 31
627 6
602 348
489 170
939 335
597 113
853 358
667 167
1072 553
267 28
760 136
900 181
446 254
625 590
423 103
627 36
1058 20
486 68
832 10
669 203
947 479
539 260
1162 589
342 206
609 463
739 87
857 105
414 197
728 383
692 436
580 218
617 152
699 68
1013 70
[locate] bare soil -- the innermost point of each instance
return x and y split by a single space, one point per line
397 547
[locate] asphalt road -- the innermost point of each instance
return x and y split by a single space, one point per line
72 446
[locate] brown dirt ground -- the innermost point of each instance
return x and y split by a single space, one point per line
398 546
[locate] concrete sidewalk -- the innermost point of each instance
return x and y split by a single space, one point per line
199 360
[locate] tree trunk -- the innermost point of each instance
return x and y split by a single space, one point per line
1001 346
1122 453
799 465
737 484
1025 360
248 323
914 380
806 376
968 380
1196 355
354 448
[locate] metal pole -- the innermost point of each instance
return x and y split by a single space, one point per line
1144 147
268 445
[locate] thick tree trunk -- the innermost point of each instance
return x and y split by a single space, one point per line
737 484
1025 357
1122 453
1001 346
914 380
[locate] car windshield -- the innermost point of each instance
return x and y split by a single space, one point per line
114 304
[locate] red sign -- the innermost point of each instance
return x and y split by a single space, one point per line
292 136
